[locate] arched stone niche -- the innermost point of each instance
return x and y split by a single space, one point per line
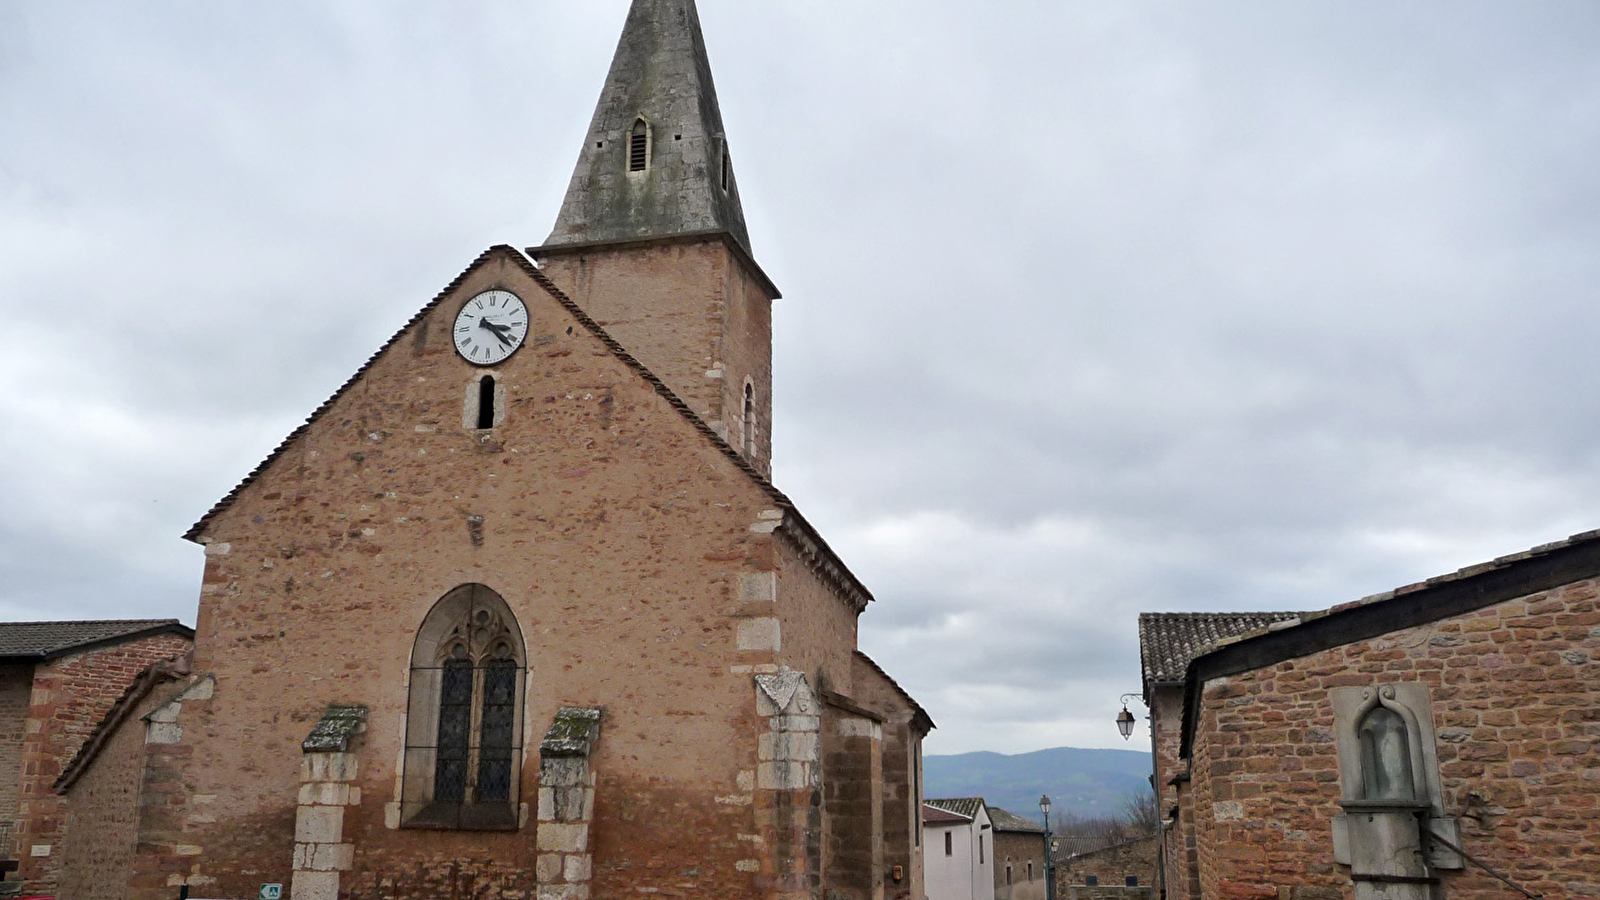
1390 793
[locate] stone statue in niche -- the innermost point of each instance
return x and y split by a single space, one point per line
1392 801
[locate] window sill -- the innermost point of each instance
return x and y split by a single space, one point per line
464 817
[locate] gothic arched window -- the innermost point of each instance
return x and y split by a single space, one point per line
464 724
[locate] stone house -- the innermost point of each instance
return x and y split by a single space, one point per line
1125 869
1019 856
959 855
1439 739
517 611
1167 644
57 679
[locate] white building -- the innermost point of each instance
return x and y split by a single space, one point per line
958 849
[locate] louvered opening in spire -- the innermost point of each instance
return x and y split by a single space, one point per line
639 147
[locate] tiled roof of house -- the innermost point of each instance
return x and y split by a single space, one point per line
1465 590
1168 641
965 806
47 640
933 815
1007 821
1071 846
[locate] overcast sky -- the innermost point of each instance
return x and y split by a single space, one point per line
1090 308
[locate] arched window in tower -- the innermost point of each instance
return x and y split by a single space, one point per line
1385 756
639 147
747 426
463 728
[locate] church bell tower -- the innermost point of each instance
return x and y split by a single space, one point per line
651 239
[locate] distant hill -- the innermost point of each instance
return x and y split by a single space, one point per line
1081 783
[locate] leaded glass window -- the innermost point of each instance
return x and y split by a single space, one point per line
464 725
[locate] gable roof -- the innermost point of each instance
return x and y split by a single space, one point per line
1167 641
41 641
813 548
1003 820
919 717
146 681
1465 590
1075 846
933 815
965 806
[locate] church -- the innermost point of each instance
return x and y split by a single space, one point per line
517 612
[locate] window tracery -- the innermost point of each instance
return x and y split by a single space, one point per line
463 741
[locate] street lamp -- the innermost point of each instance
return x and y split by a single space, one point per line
1049 869
1125 718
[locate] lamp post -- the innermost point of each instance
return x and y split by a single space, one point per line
1049 866
1125 718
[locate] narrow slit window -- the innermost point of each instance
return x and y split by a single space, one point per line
1008 873
949 845
639 147
486 402
747 427
727 167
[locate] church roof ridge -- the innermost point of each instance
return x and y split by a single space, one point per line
812 545
655 160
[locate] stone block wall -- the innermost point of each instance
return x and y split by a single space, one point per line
1019 851
852 763
1111 866
69 697
788 796
1177 837
169 848
16 689
695 316
1109 892
903 727
102 819
566 804
1516 707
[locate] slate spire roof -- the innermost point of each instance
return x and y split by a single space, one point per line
662 76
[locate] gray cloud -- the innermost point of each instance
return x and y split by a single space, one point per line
1091 309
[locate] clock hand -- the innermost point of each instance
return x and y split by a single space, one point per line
496 330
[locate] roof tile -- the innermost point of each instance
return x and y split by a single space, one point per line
42 640
1009 821
1168 641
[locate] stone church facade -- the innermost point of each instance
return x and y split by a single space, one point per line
517 612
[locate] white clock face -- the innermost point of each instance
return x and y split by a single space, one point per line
491 327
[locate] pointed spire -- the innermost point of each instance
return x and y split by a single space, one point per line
656 163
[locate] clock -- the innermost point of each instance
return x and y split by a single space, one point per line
490 327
